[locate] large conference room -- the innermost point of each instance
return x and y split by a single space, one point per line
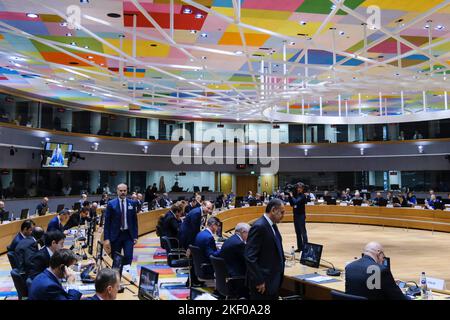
224 150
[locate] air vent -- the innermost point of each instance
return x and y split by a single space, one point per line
257 55
302 34
265 48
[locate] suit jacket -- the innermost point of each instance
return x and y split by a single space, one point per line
190 227
113 220
25 249
298 203
265 257
232 252
39 262
189 207
47 287
94 297
170 225
356 275
205 241
16 240
54 224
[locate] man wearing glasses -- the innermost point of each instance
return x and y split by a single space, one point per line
368 277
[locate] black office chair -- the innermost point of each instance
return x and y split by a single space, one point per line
202 270
20 284
226 285
13 260
337 295
196 189
176 256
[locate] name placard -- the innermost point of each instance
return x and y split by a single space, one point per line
417 207
364 204
310 203
435 283
343 204
389 206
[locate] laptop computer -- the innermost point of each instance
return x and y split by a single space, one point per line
148 284
24 214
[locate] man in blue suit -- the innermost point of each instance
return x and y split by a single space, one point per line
47 285
25 231
233 250
358 272
264 254
107 284
205 241
27 248
192 223
121 225
58 222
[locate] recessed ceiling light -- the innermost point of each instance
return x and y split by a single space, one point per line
427 26
193 31
203 57
292 43
341 33
71 78
303 23
68 34
86 47
84 1
439 27
90 57
114 15
238 52
73 43
73 62
32 15
187 10
153 45
102 64
198 16
204 35
191 60
63 24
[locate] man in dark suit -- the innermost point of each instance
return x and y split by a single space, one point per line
165 201
192 223
25 231
27 247
121 225
264 254
172 220
367 277
107 284
233 250
194 203
47 285
53 241
42 207
298 202
205 241
76 219
58 222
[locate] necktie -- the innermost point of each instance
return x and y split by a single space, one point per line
122 209
277 233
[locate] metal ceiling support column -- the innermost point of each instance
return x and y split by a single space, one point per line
303 106
306 67
171 19
346 107
429 43
402 101
320 105
424 99
364 25
121 66
380 103
333 48
445 100
339 105
359 103
134 56
261 78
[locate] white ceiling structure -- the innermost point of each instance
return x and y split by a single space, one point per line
309 61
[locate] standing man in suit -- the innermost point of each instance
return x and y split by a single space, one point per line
172 220
233 250
25 231
107 285
205 241
53 241
264 254
121 225
47 285
27 247
192 223
58 222
298 202
357 273
165 201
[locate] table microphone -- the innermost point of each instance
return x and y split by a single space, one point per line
332 271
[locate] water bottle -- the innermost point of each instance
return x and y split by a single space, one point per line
156 292
292 256
423 285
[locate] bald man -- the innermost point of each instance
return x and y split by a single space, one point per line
121 225
367 277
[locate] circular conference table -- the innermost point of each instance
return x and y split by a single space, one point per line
409 218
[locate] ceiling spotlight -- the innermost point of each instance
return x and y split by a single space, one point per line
361 151
73 43
239 52
420 149
303 23
32 15
341 33
145 149
47 139
90 57
84 1
68 34
427 26
198 16
187 10
203 57
292 43
305 151
86 47
71 78
95 146
193 31
204 35
439 27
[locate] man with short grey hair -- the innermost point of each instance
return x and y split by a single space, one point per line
233 250
107 285
368 277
